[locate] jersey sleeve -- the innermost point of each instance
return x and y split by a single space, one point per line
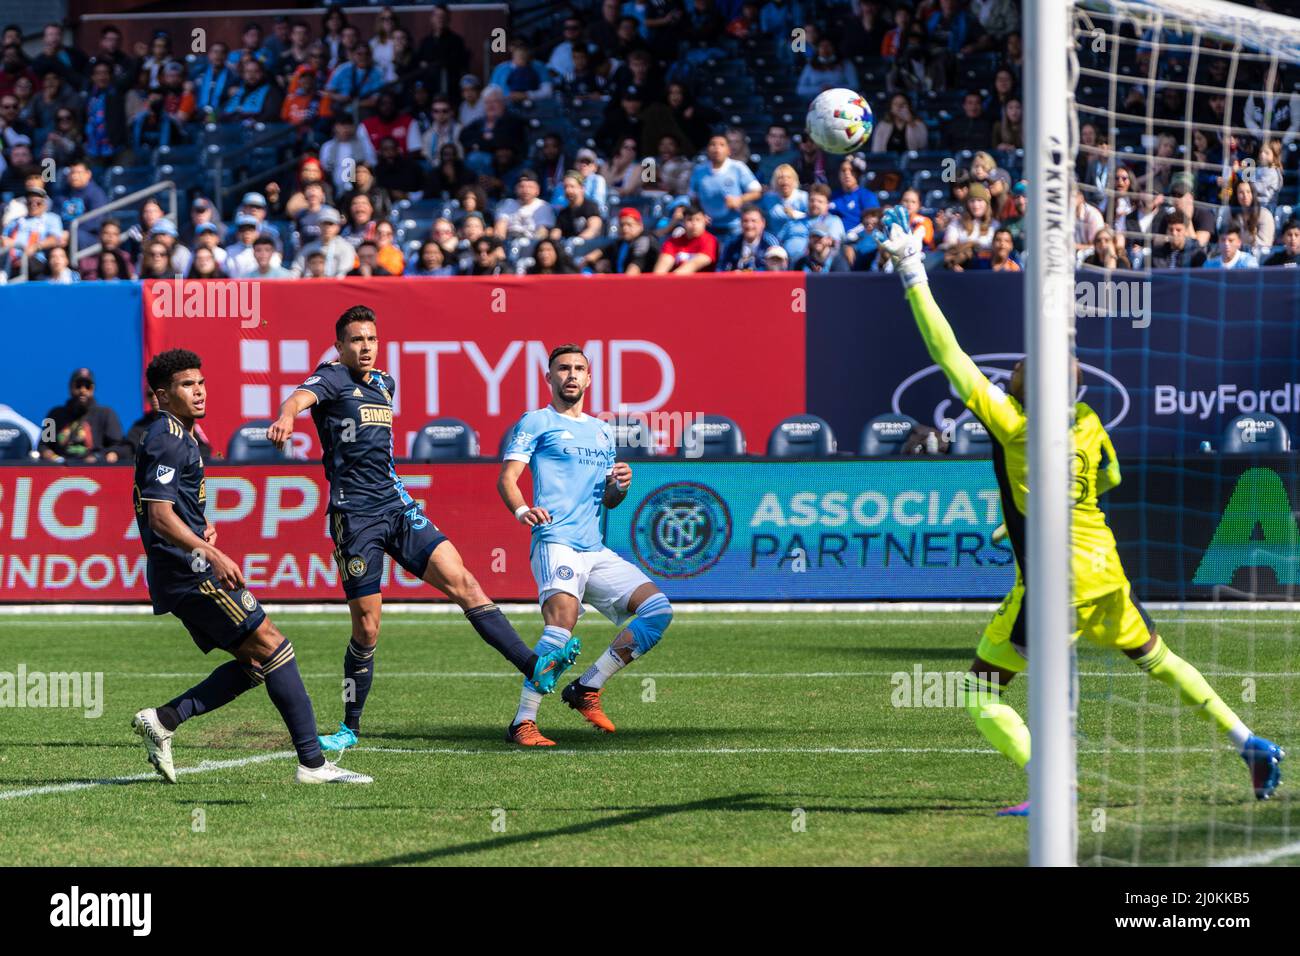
524 438
323 383
162 457
1000 413
1108 475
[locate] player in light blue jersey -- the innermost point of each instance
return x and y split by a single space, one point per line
574 474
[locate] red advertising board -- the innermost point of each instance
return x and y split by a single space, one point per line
476 348
69 534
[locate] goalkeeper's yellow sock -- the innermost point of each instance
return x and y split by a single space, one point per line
1168 668
998 722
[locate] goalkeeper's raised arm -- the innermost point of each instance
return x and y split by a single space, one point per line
1001 415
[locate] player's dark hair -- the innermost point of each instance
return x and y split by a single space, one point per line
166 364
568 349
358 313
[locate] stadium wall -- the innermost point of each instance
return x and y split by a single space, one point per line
1217 528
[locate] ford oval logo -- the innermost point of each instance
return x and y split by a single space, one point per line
928 389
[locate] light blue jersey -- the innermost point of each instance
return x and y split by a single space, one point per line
570 458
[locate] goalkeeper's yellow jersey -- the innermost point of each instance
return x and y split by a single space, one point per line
1095 564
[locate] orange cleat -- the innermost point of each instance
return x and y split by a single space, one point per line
586 701
526 734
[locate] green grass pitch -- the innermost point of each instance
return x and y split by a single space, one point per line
745 738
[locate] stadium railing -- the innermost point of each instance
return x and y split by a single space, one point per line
75 255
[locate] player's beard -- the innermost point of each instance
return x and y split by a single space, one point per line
569 398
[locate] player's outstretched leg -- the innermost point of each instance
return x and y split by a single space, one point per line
270 658
1001 724
1263 757
157 725
447 572
523 729
653 615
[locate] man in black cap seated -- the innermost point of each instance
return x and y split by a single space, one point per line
80 431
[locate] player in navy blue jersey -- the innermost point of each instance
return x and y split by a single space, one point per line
372 514
189 577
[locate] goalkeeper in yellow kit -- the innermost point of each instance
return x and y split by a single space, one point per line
1106 611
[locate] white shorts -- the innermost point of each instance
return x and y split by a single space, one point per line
601 578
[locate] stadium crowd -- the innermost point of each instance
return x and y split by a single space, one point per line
652 136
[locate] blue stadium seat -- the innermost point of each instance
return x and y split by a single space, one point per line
444 439
249 444
802 436
127 179
15 443
972 439
885 434
712 436
1256 435
632 438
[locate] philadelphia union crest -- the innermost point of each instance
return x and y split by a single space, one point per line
681 530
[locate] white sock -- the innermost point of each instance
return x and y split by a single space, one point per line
1239 735
604 667
553 638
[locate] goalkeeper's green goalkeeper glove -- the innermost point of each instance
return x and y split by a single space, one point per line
904 246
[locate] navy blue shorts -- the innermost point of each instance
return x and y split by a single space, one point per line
218 618
361 541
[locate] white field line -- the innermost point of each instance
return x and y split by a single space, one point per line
685 607
708 675
209 766
1261 858
881 620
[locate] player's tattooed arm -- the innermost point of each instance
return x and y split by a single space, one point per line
167 524
508 489
617 482
282 429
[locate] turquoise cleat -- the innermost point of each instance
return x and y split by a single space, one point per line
1264 758
345 738
550 667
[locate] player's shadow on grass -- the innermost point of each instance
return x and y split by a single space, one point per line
573 829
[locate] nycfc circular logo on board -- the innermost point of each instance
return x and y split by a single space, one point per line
681 530
356 567
564 572
249 602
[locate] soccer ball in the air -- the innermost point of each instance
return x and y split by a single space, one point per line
840 121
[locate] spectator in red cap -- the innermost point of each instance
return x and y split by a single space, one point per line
636 251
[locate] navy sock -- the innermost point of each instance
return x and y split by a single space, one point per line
493 627
284 686
216 690
359 668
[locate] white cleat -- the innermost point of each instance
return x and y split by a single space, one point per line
330 773
157 742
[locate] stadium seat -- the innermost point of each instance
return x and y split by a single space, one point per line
444 439
712 436
15 444
1256 435
972 439
802 436
885 434
632 439
249 444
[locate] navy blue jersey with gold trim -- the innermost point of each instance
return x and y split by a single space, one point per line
169 467
354 419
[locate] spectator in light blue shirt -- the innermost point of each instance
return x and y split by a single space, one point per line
722 186
356 82
1231 255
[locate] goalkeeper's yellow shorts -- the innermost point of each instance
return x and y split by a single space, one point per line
1113 620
